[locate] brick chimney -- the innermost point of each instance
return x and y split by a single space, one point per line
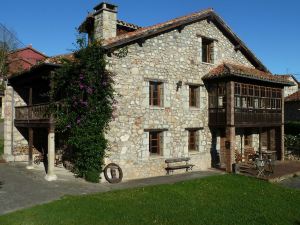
105 24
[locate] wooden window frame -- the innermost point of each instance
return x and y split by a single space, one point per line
158 100
193 140
158 137
207 50
194 96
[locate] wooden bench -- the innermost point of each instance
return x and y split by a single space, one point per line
171 167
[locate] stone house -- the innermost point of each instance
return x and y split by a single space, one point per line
188 87
292 107
19 60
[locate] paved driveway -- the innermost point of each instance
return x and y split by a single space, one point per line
23 188
292 183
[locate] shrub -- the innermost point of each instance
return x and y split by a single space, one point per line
83 88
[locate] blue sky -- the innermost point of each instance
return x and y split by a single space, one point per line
270 28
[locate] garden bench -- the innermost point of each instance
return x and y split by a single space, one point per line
178 163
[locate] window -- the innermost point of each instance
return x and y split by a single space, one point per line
156 93
156 142
194 92
193 140
207 50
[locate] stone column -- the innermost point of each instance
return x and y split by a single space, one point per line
230 148
30 149
51 155
8 124
230 127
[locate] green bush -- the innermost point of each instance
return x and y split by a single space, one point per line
92 176
85 91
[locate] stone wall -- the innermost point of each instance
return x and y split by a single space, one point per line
14 142
105 25
288 90
169 57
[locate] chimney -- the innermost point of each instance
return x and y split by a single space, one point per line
105 24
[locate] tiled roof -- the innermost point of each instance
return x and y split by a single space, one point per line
58 59
153 29
130 25
293 97
229 69
180 22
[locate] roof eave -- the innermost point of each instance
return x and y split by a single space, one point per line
247 77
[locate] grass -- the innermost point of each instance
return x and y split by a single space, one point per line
226 199
1 147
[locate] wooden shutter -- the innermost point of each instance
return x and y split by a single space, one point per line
198 97
211 52
161 143
197 141
161 94
150 93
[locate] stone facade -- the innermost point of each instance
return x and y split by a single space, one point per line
105 22
288 90
169 57
15 144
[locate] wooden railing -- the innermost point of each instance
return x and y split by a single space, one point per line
34 112
257 116
217 117
246 117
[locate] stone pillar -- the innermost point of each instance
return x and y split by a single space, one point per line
230 148
30 149
230 127
51 155
8 123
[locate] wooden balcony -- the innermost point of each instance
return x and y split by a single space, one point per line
32 116
217 117
246 117
257 117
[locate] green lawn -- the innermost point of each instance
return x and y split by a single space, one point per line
226 199
1 147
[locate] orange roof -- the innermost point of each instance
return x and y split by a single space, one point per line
169 24
229 69
179 23
58 59
293 97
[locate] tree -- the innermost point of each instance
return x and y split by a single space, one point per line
8 43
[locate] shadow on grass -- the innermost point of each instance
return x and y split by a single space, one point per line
1 183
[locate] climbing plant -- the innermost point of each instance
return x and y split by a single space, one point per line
82 101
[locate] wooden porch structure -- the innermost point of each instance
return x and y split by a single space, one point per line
33 87
242 98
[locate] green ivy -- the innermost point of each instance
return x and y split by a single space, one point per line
84 90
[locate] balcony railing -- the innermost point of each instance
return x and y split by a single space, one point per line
247 117
257 116
34 112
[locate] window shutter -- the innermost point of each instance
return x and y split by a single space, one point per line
150 94
211 52
161 143
161 94
198 97
197 140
